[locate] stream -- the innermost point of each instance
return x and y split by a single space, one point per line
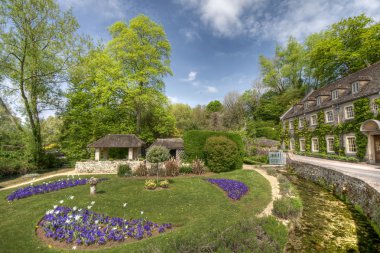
329 224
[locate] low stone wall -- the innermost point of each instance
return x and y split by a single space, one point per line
355 190
108 167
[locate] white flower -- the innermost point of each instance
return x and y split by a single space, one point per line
61 201
77 217
125 204
89 207
49 211
96 222
74 247
114 228
71 197
75 208
80 210
34 178
67 221
55 206
92 203
70 216
142 212
56 212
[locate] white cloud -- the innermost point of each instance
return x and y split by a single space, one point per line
174 100
192 76
276 20
190 35
212 89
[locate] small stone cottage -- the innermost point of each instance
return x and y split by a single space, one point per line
127 141
175 146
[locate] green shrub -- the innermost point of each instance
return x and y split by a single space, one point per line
124 170
150 184
141 170
257 159
164 184
157 154
198 167
221 154
172 167
194 142
287 207
185 169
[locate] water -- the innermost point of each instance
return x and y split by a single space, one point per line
328 224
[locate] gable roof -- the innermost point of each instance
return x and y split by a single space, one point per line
169 143
117 141
370 74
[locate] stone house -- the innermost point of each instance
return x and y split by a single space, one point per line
175 146
125 141
335 102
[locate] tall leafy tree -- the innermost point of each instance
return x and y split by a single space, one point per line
36 39
143 50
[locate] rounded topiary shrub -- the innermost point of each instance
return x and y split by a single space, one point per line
221 154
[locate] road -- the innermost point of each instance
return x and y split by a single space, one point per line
366 172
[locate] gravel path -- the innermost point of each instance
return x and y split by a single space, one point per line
274 185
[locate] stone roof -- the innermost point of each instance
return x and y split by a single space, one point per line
371 77
117 141
169 143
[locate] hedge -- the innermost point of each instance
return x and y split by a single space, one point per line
221 154
194 142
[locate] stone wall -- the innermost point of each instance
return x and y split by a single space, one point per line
108 167
354 190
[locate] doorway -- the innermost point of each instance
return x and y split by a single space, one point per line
377 148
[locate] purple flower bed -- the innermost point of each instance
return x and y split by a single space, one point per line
83 227
235 189
46 187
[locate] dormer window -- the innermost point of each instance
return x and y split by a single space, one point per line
306 105
319 100
334 94
355 87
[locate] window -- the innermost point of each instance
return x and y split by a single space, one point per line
319 100
329 117
291 144
314 120
306 105
302 145
315 145
375 108
334 94
290 124
300 123
350 144
349 112
355 87
330 144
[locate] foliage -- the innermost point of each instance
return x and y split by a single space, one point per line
164 184
150 184
287 207
185 169
141 170
172 167
38 43
195 140
235 189
157 154
87 228
330 156
183 117
214 106
198 167
124 170
46 187
256 159
233 112
221 154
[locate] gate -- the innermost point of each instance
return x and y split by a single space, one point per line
277 158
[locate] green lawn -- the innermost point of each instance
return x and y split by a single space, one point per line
199 211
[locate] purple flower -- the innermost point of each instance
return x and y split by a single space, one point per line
235 189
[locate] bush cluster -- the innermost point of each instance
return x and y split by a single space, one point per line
172 167
124 170
185 169
195 140
141 170
257 159
221 154
150 184
198 167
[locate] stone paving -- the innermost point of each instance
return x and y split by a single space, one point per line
366 172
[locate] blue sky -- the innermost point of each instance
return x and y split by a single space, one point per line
216 43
